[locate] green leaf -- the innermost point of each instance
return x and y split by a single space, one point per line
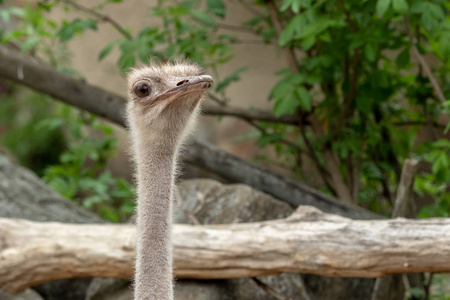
308 42
370 52
29 43
228 80
286 86
447 128
382 6
49 124
105 51
4 14
286 105
126 60
303 98
77 26
296 6
286 4
442 143
400 6
403 59
290 30
217 7
144 51
436 11
201 16
444 44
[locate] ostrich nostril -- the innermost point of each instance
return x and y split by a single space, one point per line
182 82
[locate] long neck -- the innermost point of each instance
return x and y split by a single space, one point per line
156 162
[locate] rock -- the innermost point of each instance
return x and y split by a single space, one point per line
109 288
211 202
23 195
28 294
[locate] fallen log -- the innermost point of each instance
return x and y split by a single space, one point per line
309 241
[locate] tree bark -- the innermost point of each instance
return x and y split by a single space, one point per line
77 92
309 241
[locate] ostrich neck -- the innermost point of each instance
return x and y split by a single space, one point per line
156 162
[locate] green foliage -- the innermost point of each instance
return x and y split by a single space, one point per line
20 135
77 26
45 130
80 174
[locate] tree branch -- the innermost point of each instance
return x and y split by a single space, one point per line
288 51
423 63
269 290
382 285
34 252
249 114
99 16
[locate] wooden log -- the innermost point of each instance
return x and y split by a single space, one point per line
308 242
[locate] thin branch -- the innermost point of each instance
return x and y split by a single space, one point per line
428 286
298 149
288 51
99 16
249 114
347 17
269 290
423 62
347 109
235 28
243 41
420 123
251 9
322 171
217 99
405 186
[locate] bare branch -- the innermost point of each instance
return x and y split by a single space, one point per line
99 16
288 52
423 63
419 123
405 187
382 285
269 290
348 19
249 114
235 28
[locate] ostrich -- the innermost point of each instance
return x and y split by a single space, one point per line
161 111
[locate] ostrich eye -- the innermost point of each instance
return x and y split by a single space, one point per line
142 91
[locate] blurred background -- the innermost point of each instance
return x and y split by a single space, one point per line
334 94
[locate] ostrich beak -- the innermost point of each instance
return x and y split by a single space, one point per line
185 86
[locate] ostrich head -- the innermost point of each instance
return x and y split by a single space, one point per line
163 99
